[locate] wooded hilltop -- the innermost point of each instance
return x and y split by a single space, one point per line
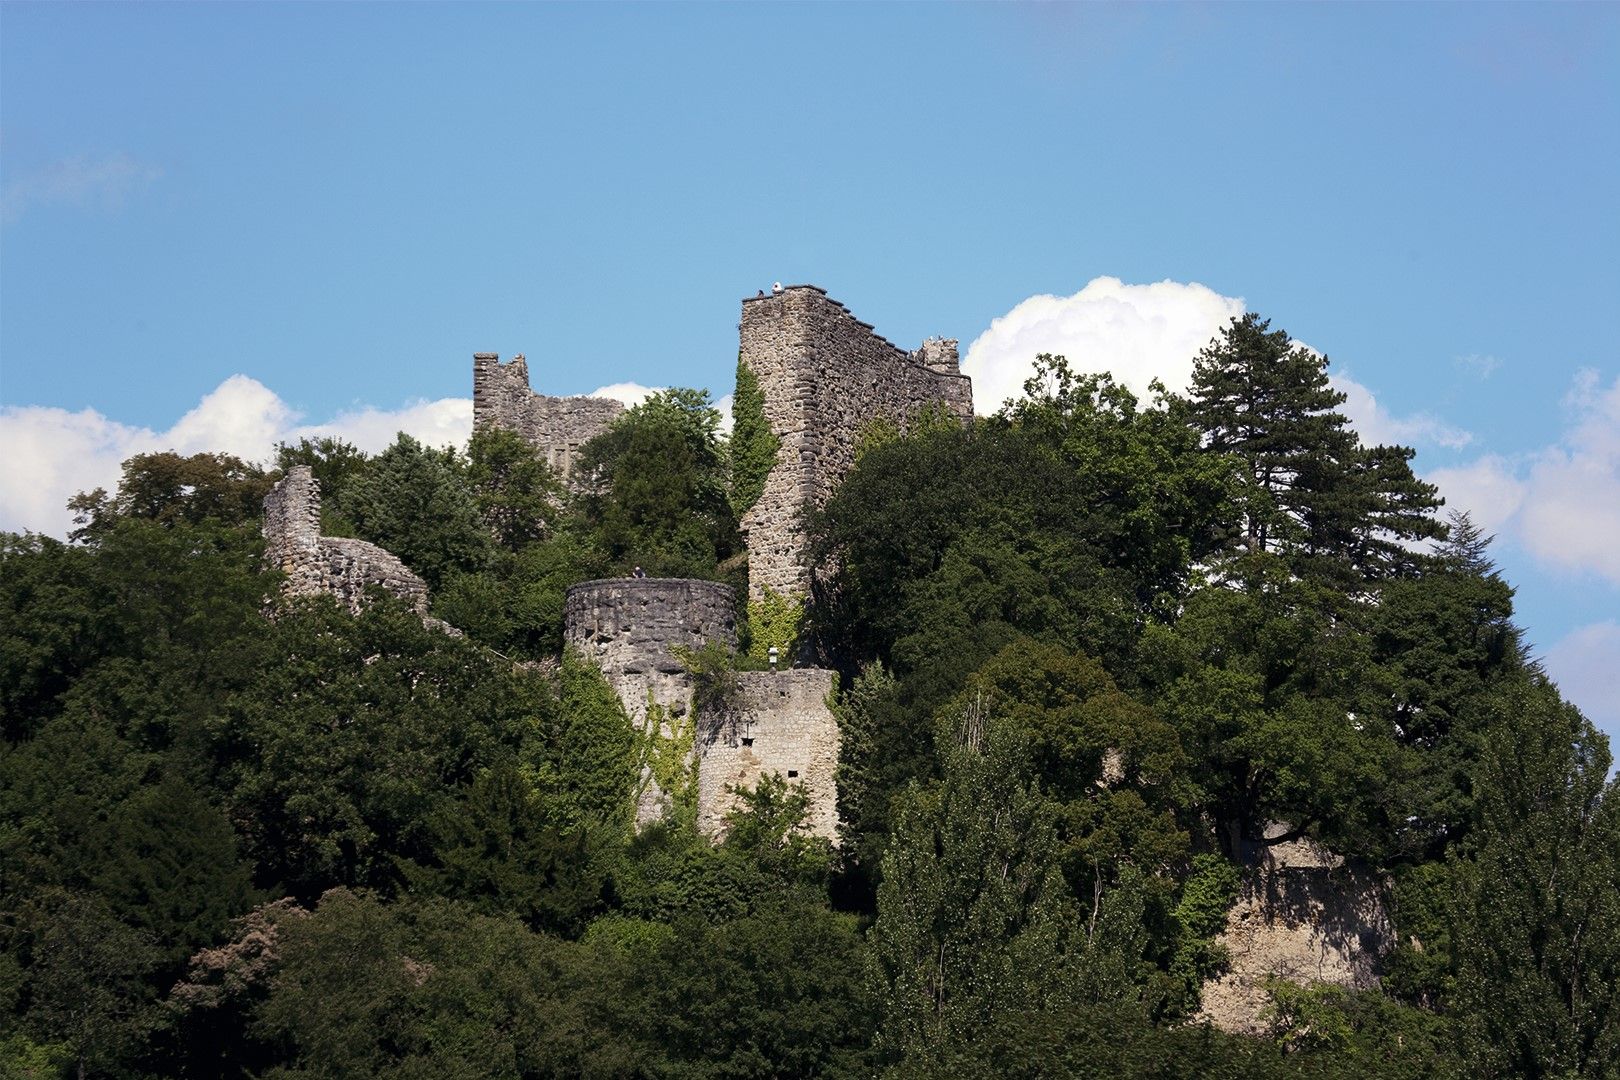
1096 655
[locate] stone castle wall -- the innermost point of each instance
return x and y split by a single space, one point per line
785 726
631 628
557 426
316 564
826 376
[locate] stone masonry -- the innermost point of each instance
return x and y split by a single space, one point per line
316 564
826 376
631 628
557 426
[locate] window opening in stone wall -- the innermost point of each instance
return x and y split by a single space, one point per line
792 773
748 742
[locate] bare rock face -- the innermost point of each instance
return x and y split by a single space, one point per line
1302 915
316 564
825 376
781 722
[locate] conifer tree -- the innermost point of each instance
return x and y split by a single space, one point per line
1312 491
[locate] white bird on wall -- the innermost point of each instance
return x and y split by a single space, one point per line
776 290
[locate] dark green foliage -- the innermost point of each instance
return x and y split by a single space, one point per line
1310 490
1067 521
516 491
655 493
753 445
1097 654
168 488
418 503
1537 940
718 1005
434 989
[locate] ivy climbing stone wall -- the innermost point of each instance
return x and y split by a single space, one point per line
632 629
826 375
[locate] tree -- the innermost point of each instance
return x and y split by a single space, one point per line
1311 491
416 502
1538 931
167 488
655 493
973 916
517 493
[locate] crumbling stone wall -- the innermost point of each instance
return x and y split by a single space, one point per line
1304 915
557 426
631 627
316 564
825 376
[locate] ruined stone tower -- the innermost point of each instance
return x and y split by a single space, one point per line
316 564
780 722
826 376
557 426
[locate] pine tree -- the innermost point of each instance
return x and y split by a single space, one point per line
1338 510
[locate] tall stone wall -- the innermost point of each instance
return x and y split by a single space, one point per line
316 564
825 376
632 627
557 426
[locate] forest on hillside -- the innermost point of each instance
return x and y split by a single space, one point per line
335 845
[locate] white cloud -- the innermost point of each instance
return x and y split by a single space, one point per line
1144 332
1377 427
1136 332
52 454
1586 666
632 394
1560 503
79 181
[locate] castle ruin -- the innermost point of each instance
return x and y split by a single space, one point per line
333 565
826 377
556 426
779 721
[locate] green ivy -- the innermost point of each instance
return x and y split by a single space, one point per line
774 619
667 759
753 444
1206 896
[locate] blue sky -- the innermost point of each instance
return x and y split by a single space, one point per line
222 223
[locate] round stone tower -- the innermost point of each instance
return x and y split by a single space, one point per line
629 625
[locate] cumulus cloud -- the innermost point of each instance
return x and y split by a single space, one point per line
82 181
52 454
1586 666
1144 332
1377 426
1560 503
1136 332
632 394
